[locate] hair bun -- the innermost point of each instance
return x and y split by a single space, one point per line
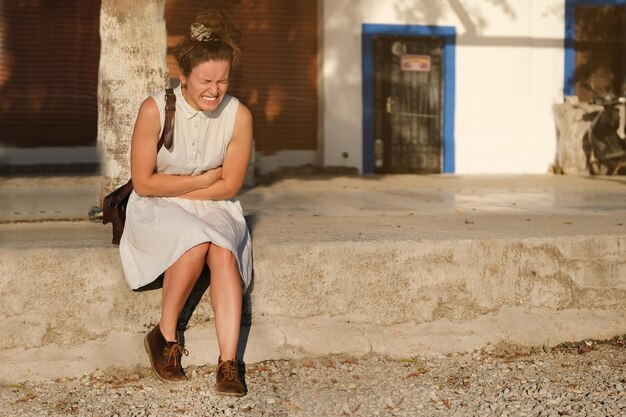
211 25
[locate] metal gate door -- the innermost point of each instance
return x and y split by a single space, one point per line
408 86
599 58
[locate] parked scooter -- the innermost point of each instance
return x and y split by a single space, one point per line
605 141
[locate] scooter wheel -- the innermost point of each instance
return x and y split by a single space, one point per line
596 168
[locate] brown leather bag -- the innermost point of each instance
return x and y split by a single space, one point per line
114 204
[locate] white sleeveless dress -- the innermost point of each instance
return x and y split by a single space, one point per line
158 230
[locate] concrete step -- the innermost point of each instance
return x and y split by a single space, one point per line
400 266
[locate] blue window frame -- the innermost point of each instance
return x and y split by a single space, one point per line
570 33
449 35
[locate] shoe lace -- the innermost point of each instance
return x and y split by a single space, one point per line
174 351
229 370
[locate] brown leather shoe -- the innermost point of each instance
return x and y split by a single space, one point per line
227 379
164 356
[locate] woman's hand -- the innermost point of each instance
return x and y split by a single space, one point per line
211 176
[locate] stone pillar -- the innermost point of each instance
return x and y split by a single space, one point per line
571 129
132 65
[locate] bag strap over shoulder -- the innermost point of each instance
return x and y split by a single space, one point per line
167 137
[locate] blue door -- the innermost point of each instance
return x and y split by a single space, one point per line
408 111
408 98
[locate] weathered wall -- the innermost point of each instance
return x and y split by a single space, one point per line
509 72
132 65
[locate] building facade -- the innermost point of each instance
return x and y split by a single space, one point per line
461 86
400 86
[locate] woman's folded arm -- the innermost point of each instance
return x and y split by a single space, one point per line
143 156
235 164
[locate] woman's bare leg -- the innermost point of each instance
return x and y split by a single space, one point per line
226 299
178 282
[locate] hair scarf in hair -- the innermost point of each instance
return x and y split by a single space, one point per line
201 33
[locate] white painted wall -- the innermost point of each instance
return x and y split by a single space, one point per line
509 72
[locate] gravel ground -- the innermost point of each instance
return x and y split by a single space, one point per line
583 379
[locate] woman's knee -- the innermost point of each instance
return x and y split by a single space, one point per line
219 257
198 251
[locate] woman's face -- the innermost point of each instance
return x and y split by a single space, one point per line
206 85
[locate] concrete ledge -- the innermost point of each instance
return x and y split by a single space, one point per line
400 266
66 309
285 338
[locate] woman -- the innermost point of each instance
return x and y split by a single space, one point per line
183 212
